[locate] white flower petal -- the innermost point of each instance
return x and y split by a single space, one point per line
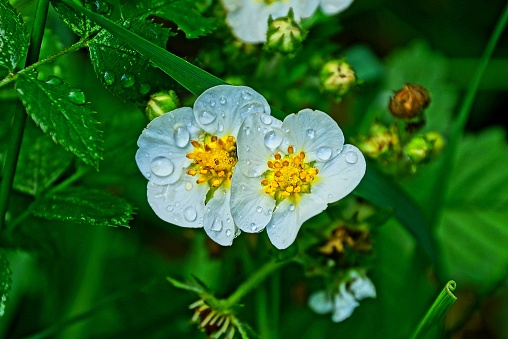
258 132
315 133
289 217
218 221
164 144
320 302
340 175
221 110
251 207
304 8
182 203
362 287
334 6
343 305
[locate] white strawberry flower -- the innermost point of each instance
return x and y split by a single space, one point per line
288 172
249 18
189 156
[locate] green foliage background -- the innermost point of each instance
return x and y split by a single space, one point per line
66 275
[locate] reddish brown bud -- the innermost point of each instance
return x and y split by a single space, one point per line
409 102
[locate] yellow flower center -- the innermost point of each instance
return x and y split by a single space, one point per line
214 160
288 176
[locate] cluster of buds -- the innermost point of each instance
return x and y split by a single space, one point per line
284 34
338 78
161 103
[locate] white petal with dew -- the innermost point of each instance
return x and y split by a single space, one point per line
289 217
315 133
221 110
362 287
321 302
344 305
251 207
218 222
182 203
334 6
340 175
257 131
163 146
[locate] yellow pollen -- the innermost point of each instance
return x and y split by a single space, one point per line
214 160
288 175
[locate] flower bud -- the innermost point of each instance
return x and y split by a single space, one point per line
409 102
161 103
437 142
284 34
338 78
418 149
381 141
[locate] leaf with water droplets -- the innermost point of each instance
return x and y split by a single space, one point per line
14 37
61 112
5 281
41 162
123 70
86 206
78 22
181 12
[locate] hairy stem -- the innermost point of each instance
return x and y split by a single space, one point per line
18 124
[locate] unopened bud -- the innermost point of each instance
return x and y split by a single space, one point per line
338 78
436 140
409 102
284 35
418 149
161 103
381 141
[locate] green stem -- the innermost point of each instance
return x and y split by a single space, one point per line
18 124
263 312
253 281
72 48
442 183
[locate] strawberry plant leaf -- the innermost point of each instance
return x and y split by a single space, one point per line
14 37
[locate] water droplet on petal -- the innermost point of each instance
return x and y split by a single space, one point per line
291 207
246 95
311 133
351 157
253 227
228 233
247 148
206 117
190 214
170 208
265 119
273 139
222 100
259 209
324 153
77 97
148 175
188 185
109 77
329 196
162 166
217 224
286 130
246 130
242 186
127 80
220 127
212 103
182 137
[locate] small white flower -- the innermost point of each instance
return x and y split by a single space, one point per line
249 18
189 156
290 171
343 303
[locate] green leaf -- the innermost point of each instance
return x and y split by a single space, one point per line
86 206
443 302
123 70
189 76
62 112
5 281
40 163
182 12
386 193
77 22
472 229
14 37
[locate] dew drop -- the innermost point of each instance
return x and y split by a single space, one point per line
228 233
291 207
212 103
190 214
20 91
266 119
159 131
77 97
162 166
109 77
188 185
53 80
206 117
126 24
242 186
217 224
247 148
148 174
127 80
228 220
259 209
286 130
182 137
351 157
144 88
311 133
330 196
253 227
222 100
220 127
324 153
273 139
170 208
246 95
246 129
